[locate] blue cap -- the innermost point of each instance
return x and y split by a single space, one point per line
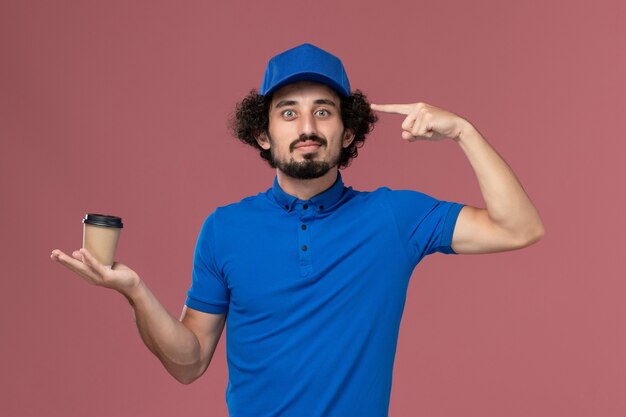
305 63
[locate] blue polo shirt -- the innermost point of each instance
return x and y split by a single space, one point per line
314 292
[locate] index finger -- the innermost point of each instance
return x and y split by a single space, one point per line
392 108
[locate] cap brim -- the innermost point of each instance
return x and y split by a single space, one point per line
308 76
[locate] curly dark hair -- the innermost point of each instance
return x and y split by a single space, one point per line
251 118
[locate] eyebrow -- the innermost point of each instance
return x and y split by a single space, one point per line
285 103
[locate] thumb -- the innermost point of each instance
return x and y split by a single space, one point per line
92 262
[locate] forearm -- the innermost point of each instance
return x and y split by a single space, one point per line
174 344
507 203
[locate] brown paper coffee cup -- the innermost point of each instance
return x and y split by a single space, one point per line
101 233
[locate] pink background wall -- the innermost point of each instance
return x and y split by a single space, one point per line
121 107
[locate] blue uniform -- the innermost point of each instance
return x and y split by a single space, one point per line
314 293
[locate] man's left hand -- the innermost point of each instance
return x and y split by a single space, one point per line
425 122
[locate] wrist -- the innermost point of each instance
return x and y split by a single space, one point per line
134 292
467 133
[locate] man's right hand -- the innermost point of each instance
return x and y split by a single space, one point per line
184 347
118 277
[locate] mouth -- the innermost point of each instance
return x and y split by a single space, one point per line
308 146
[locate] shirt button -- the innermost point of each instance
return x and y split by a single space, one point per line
321 207
304 227
286 206
306 206
304 248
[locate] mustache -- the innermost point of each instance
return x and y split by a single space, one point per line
306 138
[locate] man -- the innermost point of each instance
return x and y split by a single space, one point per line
312 275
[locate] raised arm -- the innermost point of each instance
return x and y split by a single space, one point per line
510 220
185 347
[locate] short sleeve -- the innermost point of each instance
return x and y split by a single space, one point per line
424 223
209 292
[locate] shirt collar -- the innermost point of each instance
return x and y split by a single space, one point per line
324 200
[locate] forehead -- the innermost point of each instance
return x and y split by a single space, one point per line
305 90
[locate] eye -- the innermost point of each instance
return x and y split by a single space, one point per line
289 114
323 112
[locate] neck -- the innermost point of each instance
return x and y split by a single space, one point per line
305 189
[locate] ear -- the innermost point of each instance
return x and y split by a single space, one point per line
348 137
263 141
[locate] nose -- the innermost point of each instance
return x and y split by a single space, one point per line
307 125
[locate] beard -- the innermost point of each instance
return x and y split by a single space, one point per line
309 168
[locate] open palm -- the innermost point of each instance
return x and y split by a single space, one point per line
118 277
